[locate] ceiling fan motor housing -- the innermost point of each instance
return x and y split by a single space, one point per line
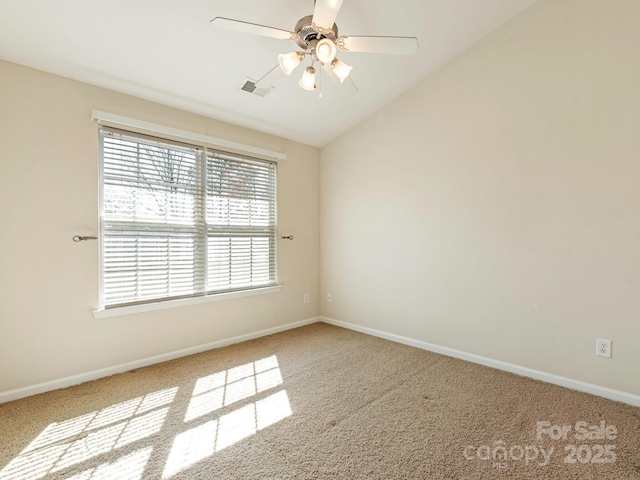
309 36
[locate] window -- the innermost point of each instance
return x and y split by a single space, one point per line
182 220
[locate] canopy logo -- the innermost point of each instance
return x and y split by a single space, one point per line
541 455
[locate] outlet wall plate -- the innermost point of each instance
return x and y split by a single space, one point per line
603 347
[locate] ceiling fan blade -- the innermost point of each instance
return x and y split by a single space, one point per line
252 28
350 86
324 14
330 75
390 45
271 78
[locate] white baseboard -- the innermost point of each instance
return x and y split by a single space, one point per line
144 362
578 385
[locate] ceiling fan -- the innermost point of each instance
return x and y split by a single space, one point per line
317 37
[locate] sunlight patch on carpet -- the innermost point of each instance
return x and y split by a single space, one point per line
222 389
65 444
203 441
225 388
127 467
237 403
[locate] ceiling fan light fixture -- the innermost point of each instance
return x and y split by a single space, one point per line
325 50
308 80
341 69
289 61
317 37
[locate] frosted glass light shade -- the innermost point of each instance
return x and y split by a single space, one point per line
308 80
289 61
325 51
341 69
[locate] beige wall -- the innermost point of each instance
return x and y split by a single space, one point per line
49 192
495 209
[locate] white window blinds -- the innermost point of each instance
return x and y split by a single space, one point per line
181 220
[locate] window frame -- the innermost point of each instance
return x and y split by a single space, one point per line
206 145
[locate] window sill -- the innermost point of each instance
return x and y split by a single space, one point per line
163 305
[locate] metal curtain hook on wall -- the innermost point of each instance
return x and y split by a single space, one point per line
288 237
79 238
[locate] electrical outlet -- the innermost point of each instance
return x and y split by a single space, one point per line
603 347
329 297
306 298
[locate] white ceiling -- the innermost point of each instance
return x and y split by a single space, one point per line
167 51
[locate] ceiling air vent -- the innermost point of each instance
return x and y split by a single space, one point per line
250 87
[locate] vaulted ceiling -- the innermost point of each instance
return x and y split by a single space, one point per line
168 51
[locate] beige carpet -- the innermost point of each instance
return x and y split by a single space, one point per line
318 402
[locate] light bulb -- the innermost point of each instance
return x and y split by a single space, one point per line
289 61
325 51
308 80
341 69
